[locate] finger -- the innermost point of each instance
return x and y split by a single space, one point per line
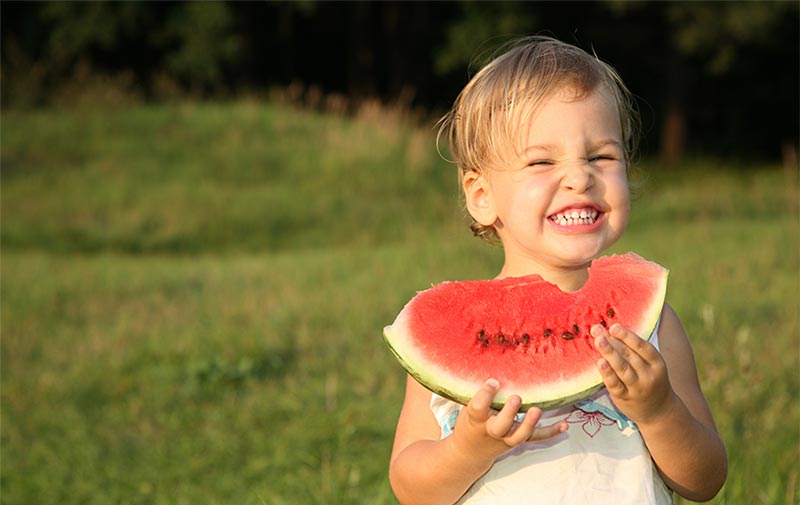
631 347
480 404
503 425
612 382
624 362
641 347
622 340
546 432
521 431
528 431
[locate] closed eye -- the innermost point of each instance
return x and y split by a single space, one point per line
540 163
603 157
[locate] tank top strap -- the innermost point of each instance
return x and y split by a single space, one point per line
654 336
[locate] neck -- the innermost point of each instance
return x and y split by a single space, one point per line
568 279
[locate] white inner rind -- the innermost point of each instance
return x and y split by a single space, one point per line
554 394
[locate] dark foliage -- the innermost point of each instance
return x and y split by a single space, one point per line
716 78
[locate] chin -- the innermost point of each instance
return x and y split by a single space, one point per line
580 255
578 264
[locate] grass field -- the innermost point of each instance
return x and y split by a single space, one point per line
193 298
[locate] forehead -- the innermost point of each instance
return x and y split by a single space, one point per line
568 114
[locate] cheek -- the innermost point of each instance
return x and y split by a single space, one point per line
623 200
616 193
518 195
626 212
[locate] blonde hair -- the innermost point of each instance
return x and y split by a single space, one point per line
487 115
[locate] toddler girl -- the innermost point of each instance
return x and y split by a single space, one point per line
543 137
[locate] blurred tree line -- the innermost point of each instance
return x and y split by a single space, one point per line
715 78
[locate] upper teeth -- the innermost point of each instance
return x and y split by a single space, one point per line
583 216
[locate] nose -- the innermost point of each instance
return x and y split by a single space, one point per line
578 178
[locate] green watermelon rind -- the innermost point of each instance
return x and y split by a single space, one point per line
461 391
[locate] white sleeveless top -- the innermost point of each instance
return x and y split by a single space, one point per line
601 459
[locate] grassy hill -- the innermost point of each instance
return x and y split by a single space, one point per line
193 297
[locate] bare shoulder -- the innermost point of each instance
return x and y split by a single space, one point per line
676 349
672 338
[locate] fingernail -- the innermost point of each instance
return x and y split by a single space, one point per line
615 329
596 330
492 383
602 342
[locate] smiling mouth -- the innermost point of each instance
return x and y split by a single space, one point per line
574 217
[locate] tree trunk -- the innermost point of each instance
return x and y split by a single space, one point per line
673 126
673 135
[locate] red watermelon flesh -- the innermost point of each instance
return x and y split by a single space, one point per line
524 331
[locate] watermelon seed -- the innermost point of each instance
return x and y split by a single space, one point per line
567 335
575 329
485 343
610 312
482 336
548 332
603 323
501 338
525 338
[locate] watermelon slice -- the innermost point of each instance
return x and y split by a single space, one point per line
524 331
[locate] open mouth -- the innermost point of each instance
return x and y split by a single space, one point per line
574 217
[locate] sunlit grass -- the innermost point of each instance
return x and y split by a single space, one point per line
193 297
189 179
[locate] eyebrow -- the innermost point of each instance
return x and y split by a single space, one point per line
606 142
540 147
593 146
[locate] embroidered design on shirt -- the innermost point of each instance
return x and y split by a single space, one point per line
592 416
590 422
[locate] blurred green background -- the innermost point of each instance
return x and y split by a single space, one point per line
205 229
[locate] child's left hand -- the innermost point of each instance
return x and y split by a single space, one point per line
634 373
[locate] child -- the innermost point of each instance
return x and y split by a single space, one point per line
543 138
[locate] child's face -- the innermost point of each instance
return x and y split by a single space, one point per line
567 200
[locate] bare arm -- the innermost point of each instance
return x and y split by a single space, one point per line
661 393
427 470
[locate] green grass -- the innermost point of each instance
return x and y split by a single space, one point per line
193 297
193 179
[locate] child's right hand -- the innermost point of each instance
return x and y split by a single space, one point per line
487 434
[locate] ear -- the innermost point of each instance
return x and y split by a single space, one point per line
478 194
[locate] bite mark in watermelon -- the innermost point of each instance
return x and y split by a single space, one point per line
524 331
